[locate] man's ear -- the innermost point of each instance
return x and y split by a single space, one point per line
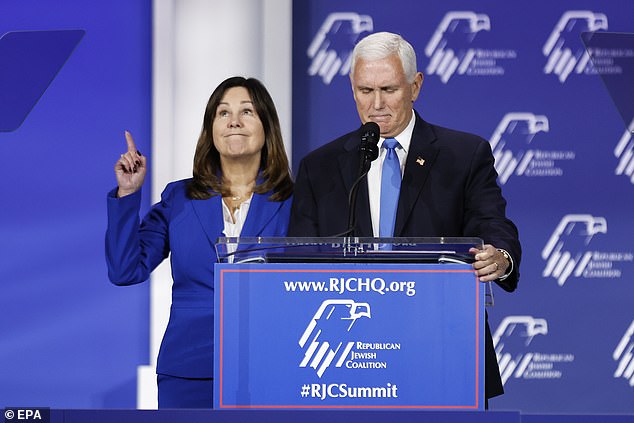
416 85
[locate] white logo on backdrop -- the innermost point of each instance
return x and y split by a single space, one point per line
568 253
510 142
331 48
624 151
624 355
326 336
567 249
514 132
451 50
446 47
564 49
512 340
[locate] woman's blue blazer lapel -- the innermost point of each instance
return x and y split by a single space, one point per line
209 213
261 212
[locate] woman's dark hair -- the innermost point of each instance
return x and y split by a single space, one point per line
274 171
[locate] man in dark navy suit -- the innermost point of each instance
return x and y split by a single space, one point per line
443 183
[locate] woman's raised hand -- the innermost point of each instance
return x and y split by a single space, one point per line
130 169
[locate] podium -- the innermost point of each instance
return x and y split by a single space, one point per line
348 323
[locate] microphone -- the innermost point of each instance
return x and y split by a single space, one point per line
369 147
369 151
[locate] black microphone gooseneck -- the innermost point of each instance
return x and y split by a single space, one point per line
369 151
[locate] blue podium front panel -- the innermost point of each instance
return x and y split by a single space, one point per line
348 336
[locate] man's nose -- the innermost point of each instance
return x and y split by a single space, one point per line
378 100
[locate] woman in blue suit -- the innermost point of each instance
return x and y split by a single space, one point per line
241 186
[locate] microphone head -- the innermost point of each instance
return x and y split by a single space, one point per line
372 152
370 132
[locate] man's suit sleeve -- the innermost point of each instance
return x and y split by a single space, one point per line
304 219
485 211
134 249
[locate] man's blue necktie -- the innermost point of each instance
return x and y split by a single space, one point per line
390 188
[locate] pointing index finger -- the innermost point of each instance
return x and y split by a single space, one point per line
130 141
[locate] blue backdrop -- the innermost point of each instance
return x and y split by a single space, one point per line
514 73
69 339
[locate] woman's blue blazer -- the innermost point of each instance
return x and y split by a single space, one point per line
186 231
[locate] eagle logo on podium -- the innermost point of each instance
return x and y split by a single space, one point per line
564 50
566 252
449 49
331 48
513 134
511 339
327 337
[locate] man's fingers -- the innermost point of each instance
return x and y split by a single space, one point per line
130 141
486 266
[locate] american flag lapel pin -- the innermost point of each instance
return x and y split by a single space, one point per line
420 160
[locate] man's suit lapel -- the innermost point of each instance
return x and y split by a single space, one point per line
420 159
349 166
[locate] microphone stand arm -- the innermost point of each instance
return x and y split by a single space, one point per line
370 153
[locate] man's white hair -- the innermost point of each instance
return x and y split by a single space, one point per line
380 45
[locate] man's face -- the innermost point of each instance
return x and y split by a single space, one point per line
383 94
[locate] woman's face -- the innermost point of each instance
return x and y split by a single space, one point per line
237 129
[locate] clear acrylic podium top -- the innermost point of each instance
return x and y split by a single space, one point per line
612 54
345 250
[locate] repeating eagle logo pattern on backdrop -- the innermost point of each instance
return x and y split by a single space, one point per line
328 333
449 48
564 50
510 141
331 48
515 131
566 252
511 339
573 245
624 355
624 151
